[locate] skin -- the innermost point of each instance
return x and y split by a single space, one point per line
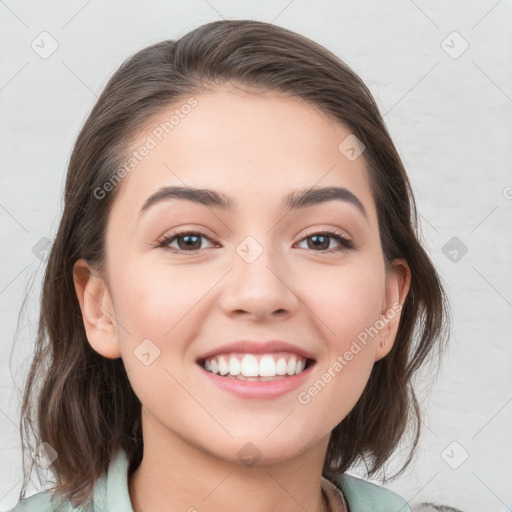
256 148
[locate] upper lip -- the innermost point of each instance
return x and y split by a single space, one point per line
256 347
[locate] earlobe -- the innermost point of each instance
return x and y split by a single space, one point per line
97 311
398 282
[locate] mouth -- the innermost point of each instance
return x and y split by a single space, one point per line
256 367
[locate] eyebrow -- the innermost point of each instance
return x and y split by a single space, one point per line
294 200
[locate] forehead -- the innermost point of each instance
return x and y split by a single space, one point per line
255 147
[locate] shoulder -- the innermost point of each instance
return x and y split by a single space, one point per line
110 492
42 502
49 501
362 495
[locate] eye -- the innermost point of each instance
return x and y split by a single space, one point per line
321 240
188 241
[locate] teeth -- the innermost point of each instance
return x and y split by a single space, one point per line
223 366
267 367
281 366
234 366
290 369
249 367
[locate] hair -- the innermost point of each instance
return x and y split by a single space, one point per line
86 408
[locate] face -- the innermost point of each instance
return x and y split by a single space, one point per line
260 271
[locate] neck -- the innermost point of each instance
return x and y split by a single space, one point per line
175 475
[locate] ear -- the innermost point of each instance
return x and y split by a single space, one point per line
398 281
97 310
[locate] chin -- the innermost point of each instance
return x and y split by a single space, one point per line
250 450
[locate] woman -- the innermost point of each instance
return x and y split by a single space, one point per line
236 300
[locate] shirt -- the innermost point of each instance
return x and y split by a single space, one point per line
110 494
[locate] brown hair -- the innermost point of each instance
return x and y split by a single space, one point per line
86 408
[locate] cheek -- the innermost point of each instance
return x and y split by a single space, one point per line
348 303
347 300
156 299
157 308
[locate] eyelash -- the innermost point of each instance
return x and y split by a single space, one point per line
337 235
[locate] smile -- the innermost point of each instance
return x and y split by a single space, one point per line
256 366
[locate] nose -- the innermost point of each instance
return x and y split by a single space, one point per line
262 288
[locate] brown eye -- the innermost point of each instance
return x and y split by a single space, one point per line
187 241
321 241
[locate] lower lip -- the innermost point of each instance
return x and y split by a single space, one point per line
258 389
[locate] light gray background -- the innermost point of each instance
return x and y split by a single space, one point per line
450 116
